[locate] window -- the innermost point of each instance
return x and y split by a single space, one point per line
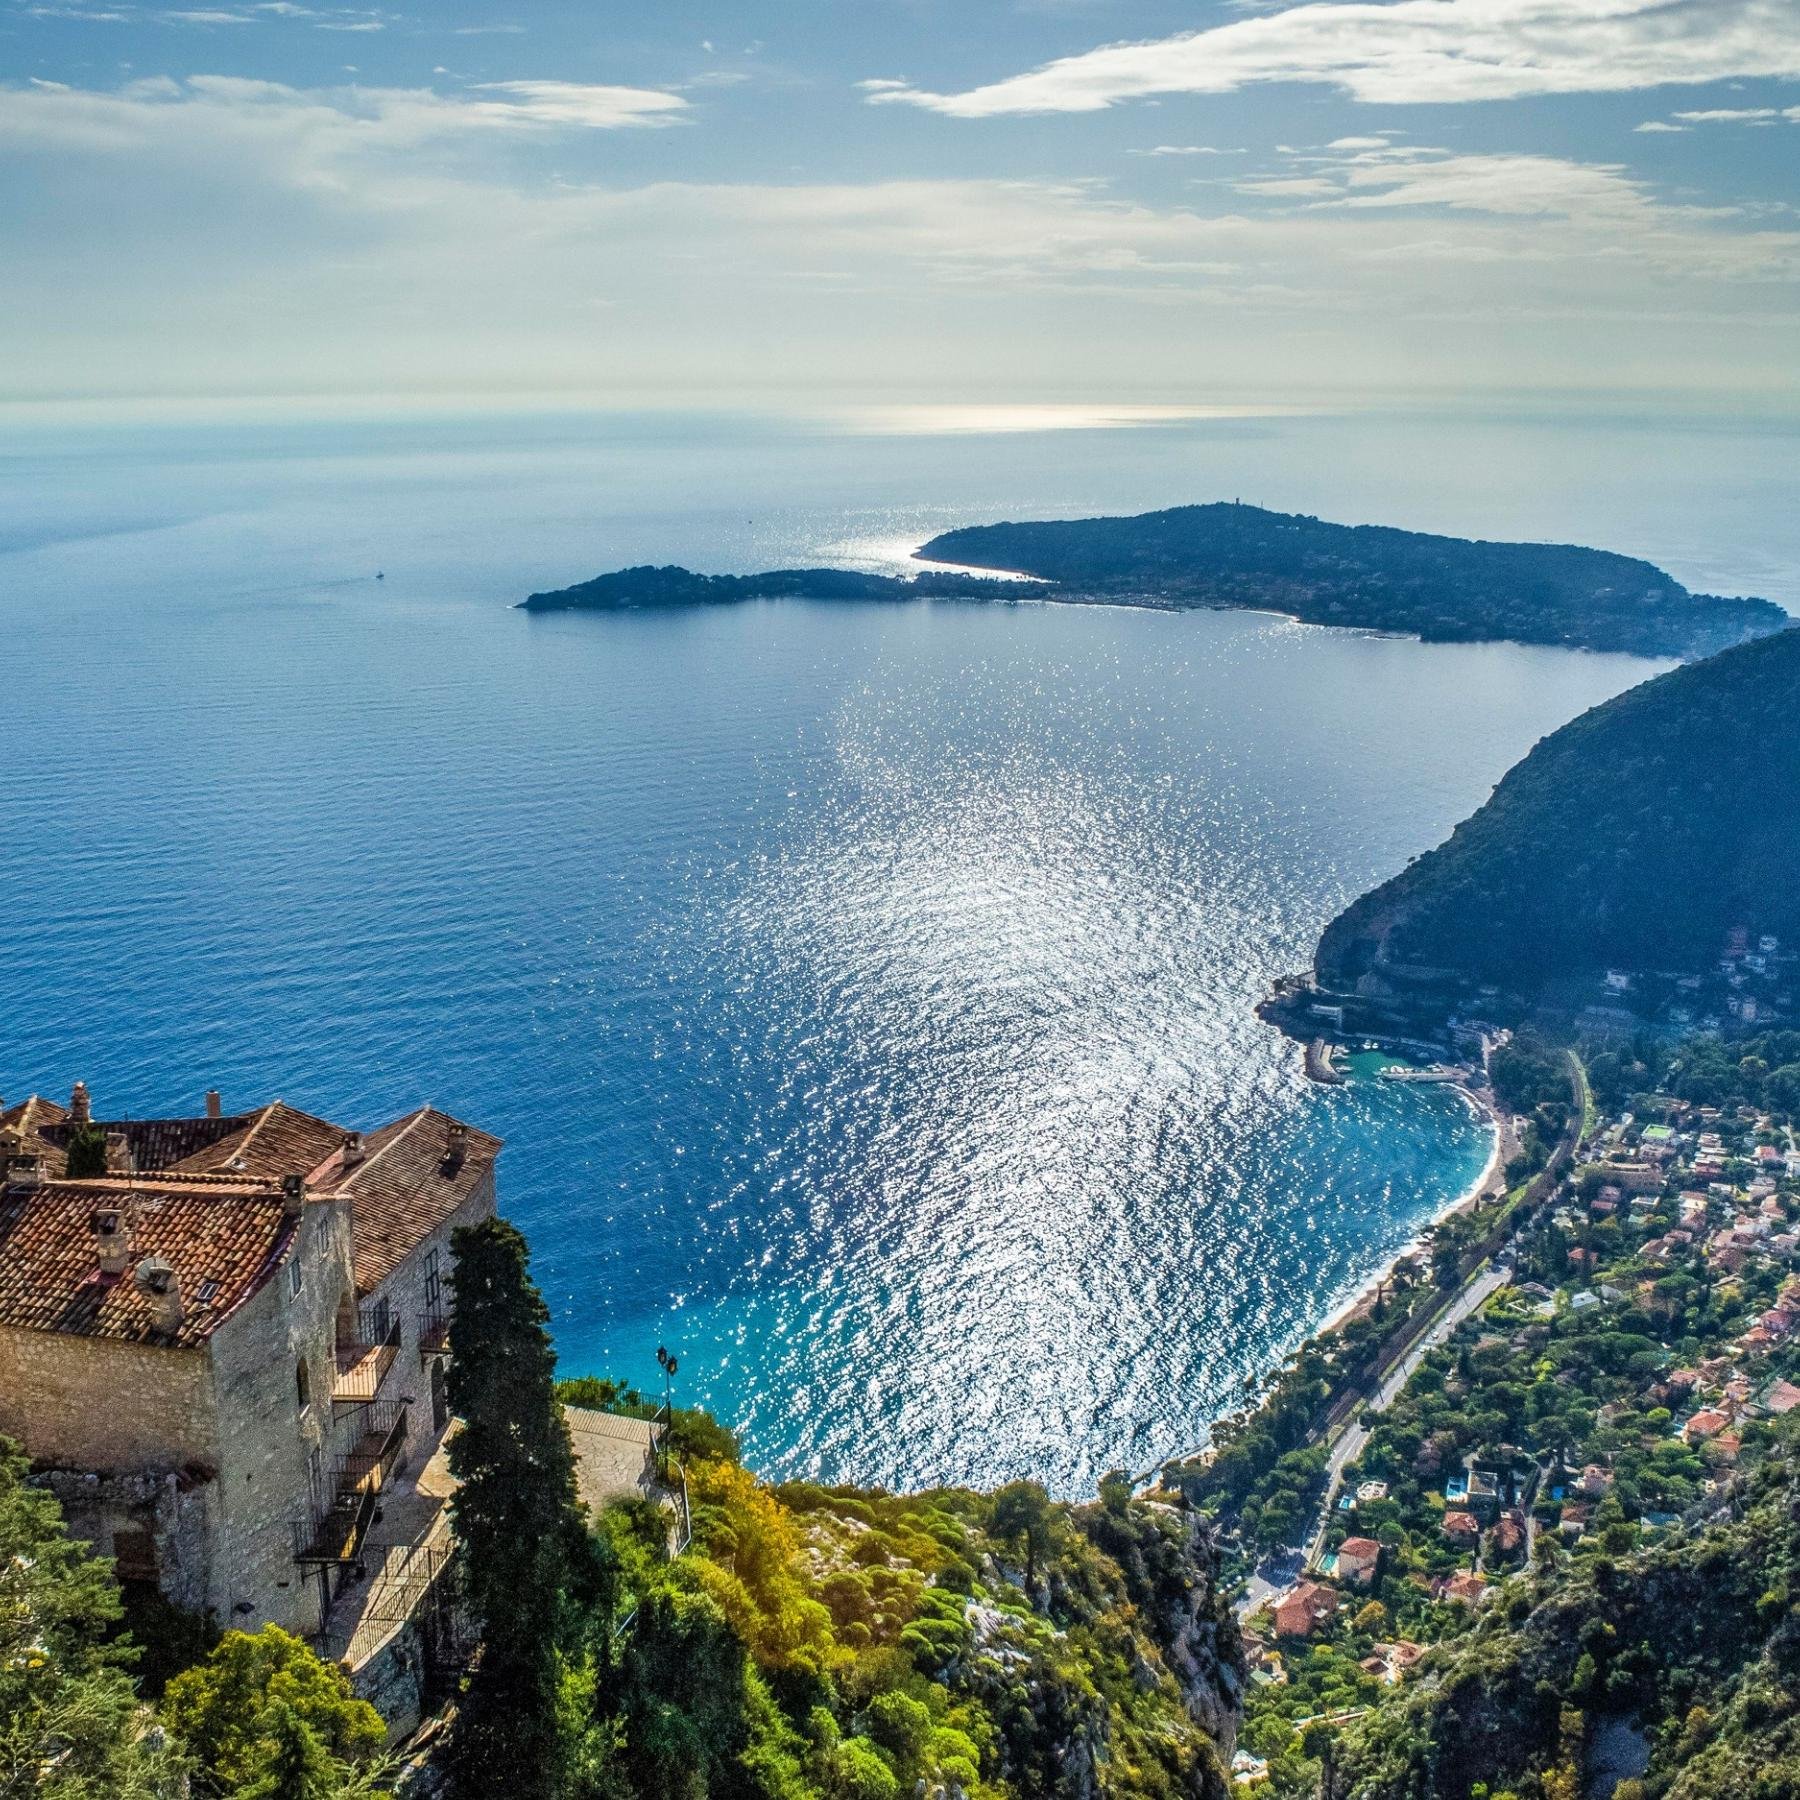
303 1384
434 1287
295 1275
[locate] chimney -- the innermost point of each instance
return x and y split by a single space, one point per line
215 1106
456 1146
293 1194
157 1281
25 1171
352 1149
119 1159
111 1226
79 1111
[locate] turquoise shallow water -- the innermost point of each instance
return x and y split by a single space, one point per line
865 994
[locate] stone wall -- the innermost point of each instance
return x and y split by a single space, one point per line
214 1454
268 1438
158 1525
105 1405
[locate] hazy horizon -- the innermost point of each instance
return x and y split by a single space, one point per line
1114 201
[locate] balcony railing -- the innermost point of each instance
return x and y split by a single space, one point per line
363 1366
434 1332
339 1525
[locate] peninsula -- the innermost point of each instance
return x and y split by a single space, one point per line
1643 861
1227 555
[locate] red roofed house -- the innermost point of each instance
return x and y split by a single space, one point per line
1302 1611
1356 1560
1462 1527
1783 1397
1707 1422
1466 1587
220 1350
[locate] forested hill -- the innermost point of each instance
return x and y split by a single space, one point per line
1635 837
649 585
1687 1646
1441 588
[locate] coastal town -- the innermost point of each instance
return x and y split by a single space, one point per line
1580 1362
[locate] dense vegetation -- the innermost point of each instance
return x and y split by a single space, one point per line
1690 1641
813 1643
259 1717
626 590
1761 1072
1635 837
1442 588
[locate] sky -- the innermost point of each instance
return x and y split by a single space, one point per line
1134 202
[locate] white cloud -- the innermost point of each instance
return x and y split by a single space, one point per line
1412 51
573 103
220 234
323 128
1725 115
1737 116
1187 150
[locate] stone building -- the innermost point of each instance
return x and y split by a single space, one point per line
226 1352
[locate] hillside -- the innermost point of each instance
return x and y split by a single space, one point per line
1635 837
1442 588
848 1644
1685 1650
627 590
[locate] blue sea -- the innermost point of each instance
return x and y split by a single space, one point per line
865 993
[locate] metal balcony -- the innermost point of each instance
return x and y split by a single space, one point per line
336 1531
362 1366
434 1333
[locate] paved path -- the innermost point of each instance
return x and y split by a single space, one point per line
1351 1440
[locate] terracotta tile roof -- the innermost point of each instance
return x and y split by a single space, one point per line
411 1178
223 1239
156 1144
32 1112
273 1141
21 1131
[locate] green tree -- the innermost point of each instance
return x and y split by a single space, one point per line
71 1726
514 1514
682 1696
901 1726
857 1772
266 1718
1022 1514
86 1152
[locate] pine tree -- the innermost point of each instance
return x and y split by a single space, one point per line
517 1527
71 1724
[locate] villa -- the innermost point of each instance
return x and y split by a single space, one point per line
224 1344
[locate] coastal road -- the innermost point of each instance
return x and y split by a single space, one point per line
1350 1441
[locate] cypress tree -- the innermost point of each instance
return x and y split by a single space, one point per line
514 1514
86 1152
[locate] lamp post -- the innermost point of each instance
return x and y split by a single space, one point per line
665 1360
